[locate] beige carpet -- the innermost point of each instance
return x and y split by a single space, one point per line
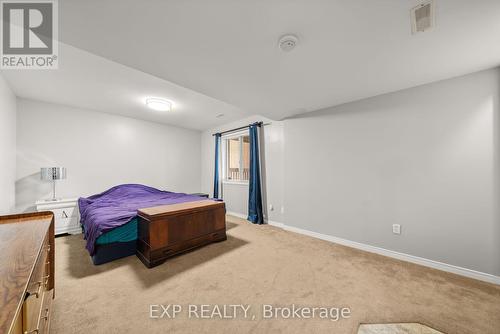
264 265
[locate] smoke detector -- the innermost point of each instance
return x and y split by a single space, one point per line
288 42
422 17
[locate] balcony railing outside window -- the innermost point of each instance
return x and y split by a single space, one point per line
237 159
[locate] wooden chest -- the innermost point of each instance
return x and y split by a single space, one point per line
168 230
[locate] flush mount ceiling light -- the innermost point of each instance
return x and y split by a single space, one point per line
158 104
288 42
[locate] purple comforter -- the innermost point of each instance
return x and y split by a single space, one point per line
118 205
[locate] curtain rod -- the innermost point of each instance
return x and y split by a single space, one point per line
259 124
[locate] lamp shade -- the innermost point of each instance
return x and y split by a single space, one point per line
53 173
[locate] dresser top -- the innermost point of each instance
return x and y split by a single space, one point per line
21 239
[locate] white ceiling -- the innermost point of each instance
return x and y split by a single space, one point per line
88 81
227 49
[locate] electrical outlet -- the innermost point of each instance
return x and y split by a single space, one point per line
396 228
282 210
271 207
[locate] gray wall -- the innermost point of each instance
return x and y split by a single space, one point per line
425 158
99 151
7 148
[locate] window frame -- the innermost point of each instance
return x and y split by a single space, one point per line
225 154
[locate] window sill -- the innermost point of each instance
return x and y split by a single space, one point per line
242 183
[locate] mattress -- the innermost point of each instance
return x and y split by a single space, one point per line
124 233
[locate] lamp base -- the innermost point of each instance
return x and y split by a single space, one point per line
52 200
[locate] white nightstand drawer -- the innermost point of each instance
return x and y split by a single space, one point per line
65 212
64 225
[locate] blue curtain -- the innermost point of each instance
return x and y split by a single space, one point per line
216 170
255 214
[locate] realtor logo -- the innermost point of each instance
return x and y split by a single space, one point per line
29 34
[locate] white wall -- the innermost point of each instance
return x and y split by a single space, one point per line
7 148
425 158
99 151
236 195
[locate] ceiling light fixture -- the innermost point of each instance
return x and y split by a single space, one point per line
159 104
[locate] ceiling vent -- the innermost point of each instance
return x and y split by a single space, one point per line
422 17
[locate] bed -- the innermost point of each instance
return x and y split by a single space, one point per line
110 220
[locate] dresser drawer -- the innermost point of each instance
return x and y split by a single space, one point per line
36 313
41 271
44 321
37 288
32 309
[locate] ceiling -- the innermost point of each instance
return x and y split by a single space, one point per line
227 49
88 81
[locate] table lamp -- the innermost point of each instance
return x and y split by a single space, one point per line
53 174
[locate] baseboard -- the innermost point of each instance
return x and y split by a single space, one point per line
267 221
236 214
400 256
277 224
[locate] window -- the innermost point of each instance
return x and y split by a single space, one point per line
237 158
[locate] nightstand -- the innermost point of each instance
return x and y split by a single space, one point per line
66 214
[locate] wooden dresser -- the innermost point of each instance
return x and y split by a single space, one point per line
26 272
